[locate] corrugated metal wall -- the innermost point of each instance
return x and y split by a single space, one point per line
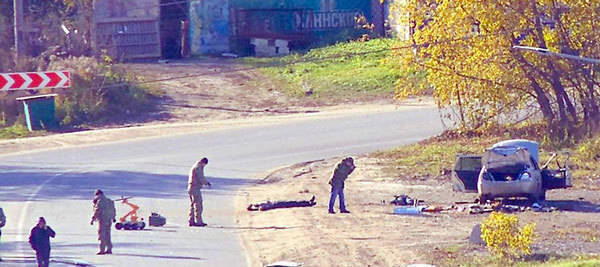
127 29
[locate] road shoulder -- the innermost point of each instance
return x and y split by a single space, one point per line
126 134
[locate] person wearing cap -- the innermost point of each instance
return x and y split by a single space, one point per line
104 213
340 174
40 241
197 181
2 222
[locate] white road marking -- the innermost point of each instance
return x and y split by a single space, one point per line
21 232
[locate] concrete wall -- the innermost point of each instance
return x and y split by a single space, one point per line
270 48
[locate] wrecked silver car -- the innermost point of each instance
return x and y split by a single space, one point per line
509 169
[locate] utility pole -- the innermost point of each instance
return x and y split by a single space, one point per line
18 16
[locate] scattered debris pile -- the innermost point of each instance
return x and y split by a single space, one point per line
410 205
405 200
506 208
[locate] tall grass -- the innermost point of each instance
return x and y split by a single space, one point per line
341 70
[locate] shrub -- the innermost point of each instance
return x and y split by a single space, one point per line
100 93
504 238
590 149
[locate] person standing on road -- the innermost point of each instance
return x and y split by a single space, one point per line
340 174
197 181
40 242
104 213
2 223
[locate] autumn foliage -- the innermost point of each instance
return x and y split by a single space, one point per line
504 238
466 50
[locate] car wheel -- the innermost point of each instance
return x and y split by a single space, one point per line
484 199
533 198
542 196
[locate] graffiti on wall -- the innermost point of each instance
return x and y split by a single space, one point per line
209 27
315 21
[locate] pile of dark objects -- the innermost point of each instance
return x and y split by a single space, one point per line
504 205
507 206
405 200
410 205
281 204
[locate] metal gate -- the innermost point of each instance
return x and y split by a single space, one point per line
129 38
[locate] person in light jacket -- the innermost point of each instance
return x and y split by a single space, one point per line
197 181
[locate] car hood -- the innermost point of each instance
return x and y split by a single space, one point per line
505 156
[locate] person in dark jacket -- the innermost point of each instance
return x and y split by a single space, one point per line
40 242
2 222
340 174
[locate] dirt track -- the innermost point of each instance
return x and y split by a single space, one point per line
372 236
215 88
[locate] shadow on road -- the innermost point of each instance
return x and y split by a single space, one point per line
159 256
561 204
19 184
574 205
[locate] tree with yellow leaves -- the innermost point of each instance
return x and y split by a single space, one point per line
465 49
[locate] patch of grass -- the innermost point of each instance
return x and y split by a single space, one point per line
588 234
328 73
430 158
466 255
18 131
580 261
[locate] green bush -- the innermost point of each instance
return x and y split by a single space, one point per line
100 93
590 149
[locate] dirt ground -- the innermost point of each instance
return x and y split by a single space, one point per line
220 88
373 236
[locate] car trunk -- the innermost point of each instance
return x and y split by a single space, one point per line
505 163
505 173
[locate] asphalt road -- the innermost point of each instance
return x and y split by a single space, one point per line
58 184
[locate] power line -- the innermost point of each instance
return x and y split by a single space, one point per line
308 60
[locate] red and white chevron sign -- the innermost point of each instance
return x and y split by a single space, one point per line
34 80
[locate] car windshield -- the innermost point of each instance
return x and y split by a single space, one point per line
500 157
